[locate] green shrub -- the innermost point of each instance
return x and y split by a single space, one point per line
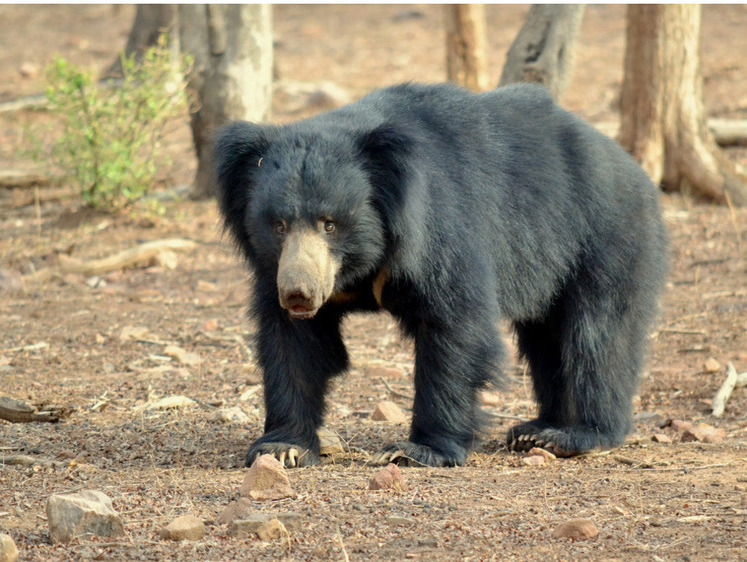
109 137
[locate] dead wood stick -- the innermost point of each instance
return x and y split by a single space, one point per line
732 381
125 258
19 411
726 132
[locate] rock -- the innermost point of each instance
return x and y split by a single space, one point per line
533 460
661 438
704 433
10 281
539 452
8 549
712 365
229 415
130 333
271 530
28 69
267 480
182 355
184 528
388 478
576 529
330 442
85 512
388 411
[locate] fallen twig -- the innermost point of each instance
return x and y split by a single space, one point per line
125 258
20 411
732 381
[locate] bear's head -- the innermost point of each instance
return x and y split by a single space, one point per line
311 205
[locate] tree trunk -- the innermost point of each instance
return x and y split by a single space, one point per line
545 47
663 117
465 46
150 21
231 75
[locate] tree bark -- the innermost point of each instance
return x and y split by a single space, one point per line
231 75
663 117
465 46
545 47
150 21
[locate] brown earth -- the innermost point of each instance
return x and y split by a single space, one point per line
60 342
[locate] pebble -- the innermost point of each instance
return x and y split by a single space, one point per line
184 528
388 478
712 365
576 529
10 281
229 415
271 530
329 442
267 480
81 513
8 549
182 355
388 411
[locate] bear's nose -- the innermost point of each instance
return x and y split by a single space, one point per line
298 304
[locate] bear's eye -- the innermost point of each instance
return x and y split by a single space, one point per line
329 226
279 227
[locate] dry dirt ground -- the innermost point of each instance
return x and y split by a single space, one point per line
60 342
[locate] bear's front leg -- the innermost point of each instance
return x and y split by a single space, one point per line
451 366
298 358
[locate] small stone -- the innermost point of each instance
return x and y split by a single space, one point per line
271 530
267 480
388 478
533 460
388 411
539 452
8 549
184 528
661 438
712 365
576 529
28 69
229 415
130 333
704 433
83 513
329 442
210 325
182 355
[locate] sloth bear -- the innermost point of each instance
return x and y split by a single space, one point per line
450 210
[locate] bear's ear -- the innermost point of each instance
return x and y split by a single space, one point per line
237 152
386 154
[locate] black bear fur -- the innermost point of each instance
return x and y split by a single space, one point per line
475 207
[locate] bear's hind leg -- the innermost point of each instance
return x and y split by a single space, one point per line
586 398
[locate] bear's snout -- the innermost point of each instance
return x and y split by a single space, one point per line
306 273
